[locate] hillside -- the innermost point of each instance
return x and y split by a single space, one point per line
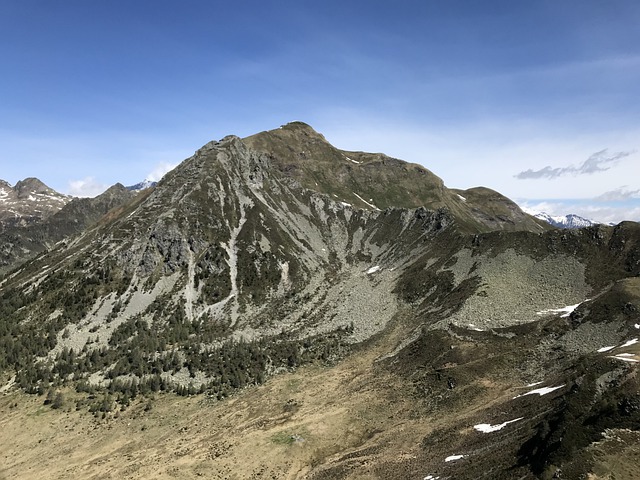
278 308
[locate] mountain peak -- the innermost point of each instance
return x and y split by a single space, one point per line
375 181
31 185
569 221
294 136
29 201
300 126
138 187
118 187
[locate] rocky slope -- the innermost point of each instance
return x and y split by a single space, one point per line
413 313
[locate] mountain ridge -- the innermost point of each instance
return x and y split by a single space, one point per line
138 187
374 180
568 221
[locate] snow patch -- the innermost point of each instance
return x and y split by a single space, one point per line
540 391
373 270
533 384
462 198
487 428
370 204
566 311
605 349
626 359
430 477
352 160
637 325
629 343
453 458
5 388
345 204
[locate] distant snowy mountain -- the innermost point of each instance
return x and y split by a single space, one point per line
141 186
562 221
29 201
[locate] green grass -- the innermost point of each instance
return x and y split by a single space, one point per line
289 437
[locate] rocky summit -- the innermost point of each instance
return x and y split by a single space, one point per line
276 307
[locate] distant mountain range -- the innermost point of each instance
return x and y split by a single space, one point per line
564 221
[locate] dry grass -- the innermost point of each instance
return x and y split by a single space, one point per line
281 429
355 420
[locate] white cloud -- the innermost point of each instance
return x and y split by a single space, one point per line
598 162
619 195
160 170
86 187
550 207
609 213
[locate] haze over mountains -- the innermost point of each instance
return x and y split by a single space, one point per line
301 311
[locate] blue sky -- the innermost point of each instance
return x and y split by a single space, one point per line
94 93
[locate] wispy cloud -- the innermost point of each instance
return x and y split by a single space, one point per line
610 213
598 162
621 194
86 187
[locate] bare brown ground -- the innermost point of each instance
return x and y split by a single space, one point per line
284 429
617 457
294 426
278 430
